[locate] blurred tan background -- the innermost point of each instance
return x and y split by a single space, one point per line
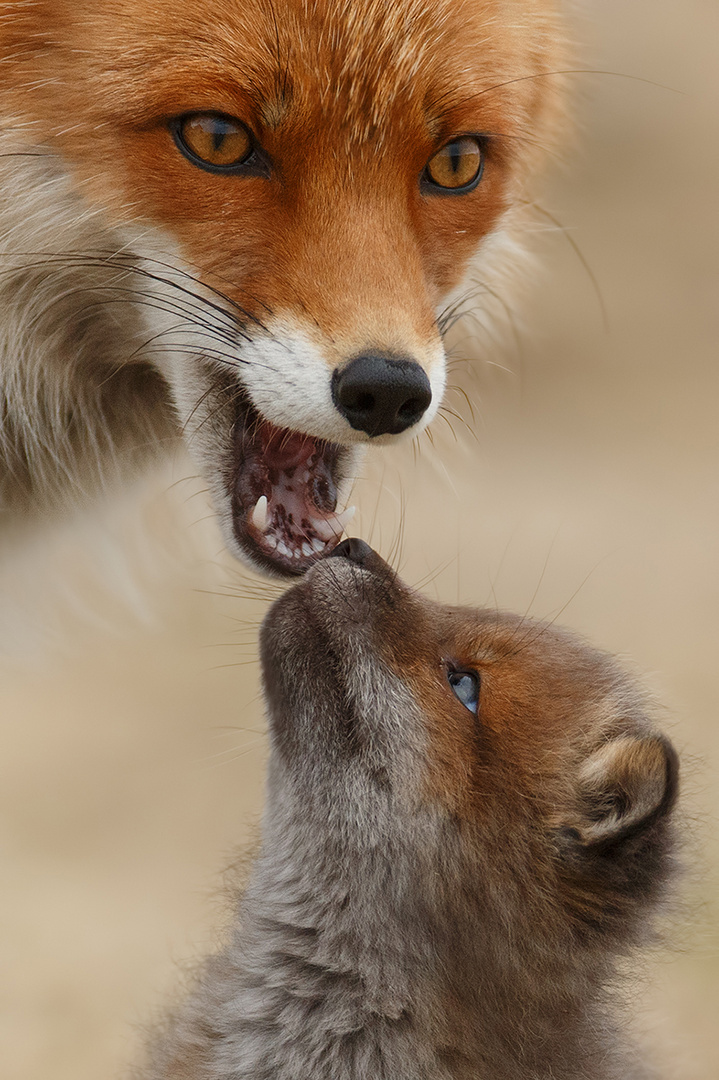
132 736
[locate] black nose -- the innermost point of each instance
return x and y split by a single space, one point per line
353 549
361 554
381 395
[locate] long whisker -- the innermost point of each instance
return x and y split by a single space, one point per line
127 263
439 103
579 254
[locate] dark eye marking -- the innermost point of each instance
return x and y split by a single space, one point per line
465 687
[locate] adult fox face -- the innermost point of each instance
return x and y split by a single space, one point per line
296 187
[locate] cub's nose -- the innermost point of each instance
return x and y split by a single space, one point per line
361 554
354 549
380 394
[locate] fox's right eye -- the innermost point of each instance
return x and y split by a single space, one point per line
217 143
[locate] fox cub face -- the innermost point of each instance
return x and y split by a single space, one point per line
511 762
297 188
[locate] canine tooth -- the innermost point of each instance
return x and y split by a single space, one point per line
306 549
331 528
324 528
271 540
258 517
342 520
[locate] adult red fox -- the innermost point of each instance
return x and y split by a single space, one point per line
240 222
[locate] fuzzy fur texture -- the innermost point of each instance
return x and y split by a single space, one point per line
144 299
440 893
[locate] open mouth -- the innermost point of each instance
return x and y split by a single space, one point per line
285 494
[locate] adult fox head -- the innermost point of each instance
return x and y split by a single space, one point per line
289 192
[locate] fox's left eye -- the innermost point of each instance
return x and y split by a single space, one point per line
465 686
217 143
456 169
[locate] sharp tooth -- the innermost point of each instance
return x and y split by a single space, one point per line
258 517
324 528
330 528
282 548
342 520
306 549
318 545
271 540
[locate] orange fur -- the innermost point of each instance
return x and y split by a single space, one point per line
339 247
350 106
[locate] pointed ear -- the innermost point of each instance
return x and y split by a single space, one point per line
624 788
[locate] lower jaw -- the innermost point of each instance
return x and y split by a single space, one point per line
277 562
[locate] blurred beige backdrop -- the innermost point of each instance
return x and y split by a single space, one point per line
132 735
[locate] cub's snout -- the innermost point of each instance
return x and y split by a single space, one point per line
326 649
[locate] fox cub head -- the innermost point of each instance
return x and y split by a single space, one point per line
293 189
516 770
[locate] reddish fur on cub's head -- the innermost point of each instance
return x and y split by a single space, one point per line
561 765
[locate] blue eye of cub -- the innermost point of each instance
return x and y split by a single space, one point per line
465 687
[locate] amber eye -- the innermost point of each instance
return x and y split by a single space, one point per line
457 167
213 141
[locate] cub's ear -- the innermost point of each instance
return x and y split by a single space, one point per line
624 788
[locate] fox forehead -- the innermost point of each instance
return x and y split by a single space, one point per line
354 62
349 100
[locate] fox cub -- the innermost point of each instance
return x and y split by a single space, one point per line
468 823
